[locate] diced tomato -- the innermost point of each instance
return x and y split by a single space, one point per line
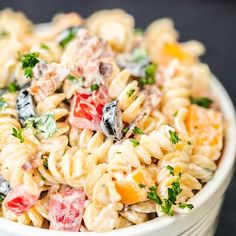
20 201
86 109
66 210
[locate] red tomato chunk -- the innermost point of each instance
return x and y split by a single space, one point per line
20 201
66 210
86 109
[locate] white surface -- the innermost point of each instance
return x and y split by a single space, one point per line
200 221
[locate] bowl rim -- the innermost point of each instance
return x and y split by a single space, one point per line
214 189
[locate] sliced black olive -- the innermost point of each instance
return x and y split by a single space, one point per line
5 187
25 105
112 124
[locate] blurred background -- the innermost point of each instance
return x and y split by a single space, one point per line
213 22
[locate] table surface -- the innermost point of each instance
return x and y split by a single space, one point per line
210 21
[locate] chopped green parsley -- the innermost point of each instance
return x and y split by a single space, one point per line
137 130
152 195
184 205
134 142
202 101
94 87
142 185
130 92
171 169
174 138
12 87
44 46
3 34
149 77
18 134
29 60
69 35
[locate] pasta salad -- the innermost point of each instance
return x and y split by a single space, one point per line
102 125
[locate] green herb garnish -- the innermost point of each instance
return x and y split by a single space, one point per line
175 114
1 198
44 46
174 138
45 163
125 130
29 60
184 205
166 207
71 78
202 101
174 191
94 87
134 142
171 169
69 35
189 143
18 134
43 124
3 103
149 77
43 178
142 185
152 195
137 130
130 92
12 87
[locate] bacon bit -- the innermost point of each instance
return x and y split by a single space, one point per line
66 210
89 57
20 201
48 79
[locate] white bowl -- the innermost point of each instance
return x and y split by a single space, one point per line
201 221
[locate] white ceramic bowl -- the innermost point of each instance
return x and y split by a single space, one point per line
201 221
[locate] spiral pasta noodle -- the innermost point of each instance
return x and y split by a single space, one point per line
102 126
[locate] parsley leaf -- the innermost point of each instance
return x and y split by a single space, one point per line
174 191
202 101
29 60
1 198
149 77
43 178
184 205
125 130
3 103
130 92
166 207
134 142
94 87
12 87
142 185
18 134
171 169
189 143
68 35
175 114
174 138
45 163
44 46
137 130
152 195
